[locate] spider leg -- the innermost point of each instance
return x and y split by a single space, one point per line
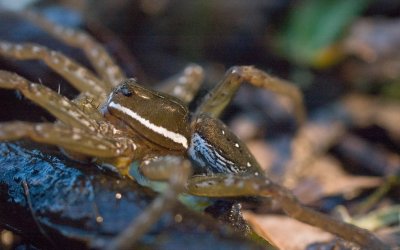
70 139
185 84
103 63
220 185
158 169
80 77
59 106
217 100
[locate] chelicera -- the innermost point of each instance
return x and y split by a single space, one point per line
116 121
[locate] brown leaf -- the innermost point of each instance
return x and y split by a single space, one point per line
326 177
284 232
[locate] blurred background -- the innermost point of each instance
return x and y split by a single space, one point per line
343 55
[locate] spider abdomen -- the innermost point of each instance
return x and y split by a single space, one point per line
214 148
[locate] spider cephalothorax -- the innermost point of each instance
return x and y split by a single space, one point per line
165 123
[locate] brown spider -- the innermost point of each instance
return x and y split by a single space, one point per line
116 121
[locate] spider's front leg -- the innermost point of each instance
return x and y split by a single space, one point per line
80 77
78 144
71 139
103 63
59 106
217 100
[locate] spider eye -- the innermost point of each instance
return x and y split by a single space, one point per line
125 91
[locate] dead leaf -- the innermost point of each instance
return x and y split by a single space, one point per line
284 232
326 177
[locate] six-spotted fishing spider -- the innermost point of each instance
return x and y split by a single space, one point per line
116 121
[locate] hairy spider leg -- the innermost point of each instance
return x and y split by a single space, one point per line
185 84
57 105
155 169
72 139
217 100
221 185
103 63
80 77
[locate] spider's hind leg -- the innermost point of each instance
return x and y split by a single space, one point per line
217 100
222 185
